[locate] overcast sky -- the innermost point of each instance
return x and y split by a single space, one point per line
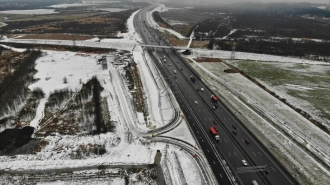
261 1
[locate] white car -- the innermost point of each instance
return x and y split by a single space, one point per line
196 102
202 89
244 162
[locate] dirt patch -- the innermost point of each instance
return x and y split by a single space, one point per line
199 44
42 144
174 41
56 37
163 25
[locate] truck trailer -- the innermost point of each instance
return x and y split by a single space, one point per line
214 133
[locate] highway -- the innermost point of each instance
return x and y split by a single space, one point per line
226 155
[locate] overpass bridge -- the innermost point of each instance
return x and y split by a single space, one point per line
165 47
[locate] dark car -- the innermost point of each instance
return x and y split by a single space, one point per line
216 128
234 127
215 122
247 141
234 132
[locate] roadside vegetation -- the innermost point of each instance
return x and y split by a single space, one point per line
17 75
71 113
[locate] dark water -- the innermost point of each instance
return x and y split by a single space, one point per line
17 141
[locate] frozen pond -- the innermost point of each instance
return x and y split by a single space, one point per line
29 12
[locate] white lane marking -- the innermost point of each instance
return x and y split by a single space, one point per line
210 119
259 153
254 154
205 119
235 154
202 140
208 151
213 162
229 154
225 140
197 132
225 119
273 169
220 175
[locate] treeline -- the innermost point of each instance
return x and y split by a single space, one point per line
282 47
85 113
279 25
13 89
57 97
28 112
99 121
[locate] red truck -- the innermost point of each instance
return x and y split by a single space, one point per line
192 78
214 133
214 98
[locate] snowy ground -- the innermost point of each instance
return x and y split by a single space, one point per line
300 146
54 66
124 146
302 85
252 56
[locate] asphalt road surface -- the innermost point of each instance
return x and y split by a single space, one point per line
226 155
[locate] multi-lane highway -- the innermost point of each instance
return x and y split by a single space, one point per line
226 155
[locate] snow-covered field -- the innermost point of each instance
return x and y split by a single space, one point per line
252 56
54 66
29 12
